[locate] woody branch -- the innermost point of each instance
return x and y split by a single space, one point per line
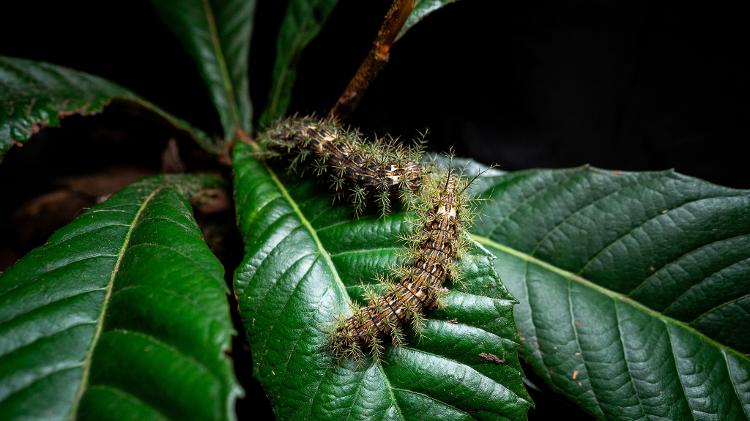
376 59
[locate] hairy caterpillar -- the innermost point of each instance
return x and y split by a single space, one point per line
434 247
378 170
381 170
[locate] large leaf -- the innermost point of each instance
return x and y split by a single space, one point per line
634 288
35 95
216 33
302 22
122 314
304 260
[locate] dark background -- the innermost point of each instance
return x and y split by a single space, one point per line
629 85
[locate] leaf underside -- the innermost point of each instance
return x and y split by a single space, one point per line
122 312
634 287
216 33
35 95
304 260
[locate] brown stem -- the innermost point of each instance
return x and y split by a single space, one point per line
376 59
225 157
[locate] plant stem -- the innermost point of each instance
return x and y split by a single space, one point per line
375 60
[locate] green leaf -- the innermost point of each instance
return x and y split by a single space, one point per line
422 8
122 314
217 33
302 22
35 95
304 260
634 287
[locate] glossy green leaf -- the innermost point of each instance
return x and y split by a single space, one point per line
217 33
302 22
305 261
422 8
35 95
122 314
634 287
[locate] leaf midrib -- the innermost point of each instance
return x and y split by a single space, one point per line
105 305
221 61
308 226
327 258
612 294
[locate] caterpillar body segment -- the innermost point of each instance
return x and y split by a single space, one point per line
363 171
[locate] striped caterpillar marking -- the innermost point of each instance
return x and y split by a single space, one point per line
434 250
378 170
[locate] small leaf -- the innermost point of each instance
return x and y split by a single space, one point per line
302 22
121 314
422 8
35 95
217 33
634 287
304 261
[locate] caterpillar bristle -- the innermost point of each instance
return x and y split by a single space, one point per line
359 200
418 323
384 201
370 295
320 167
384 280
397 337
337 184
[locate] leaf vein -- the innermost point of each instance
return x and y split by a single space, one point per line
110 284
641 225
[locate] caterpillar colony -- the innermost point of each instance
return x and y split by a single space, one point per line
382 170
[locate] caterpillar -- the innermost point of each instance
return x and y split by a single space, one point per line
378 170
435 246
383 169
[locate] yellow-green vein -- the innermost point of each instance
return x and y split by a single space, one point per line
108 293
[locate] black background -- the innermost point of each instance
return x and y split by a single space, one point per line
629 85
